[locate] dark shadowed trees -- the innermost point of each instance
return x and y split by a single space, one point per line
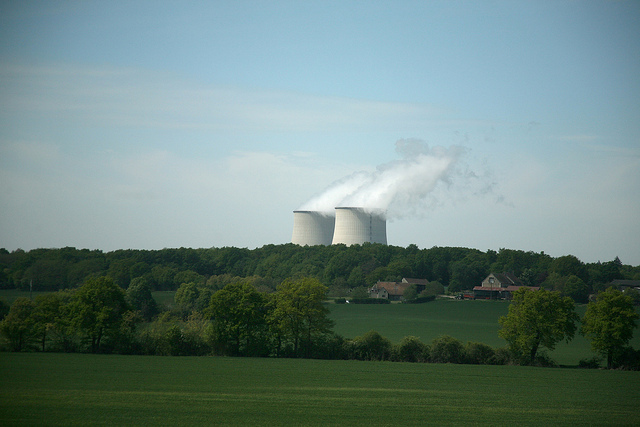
139 298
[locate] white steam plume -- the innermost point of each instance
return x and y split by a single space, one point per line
399 187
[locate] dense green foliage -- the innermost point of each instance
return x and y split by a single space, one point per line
609 323
338 267
80 389
239 320
537 319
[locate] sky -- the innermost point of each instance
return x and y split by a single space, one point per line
153 124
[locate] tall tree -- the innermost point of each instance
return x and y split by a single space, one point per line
139 298
46 315
239 313
186 296
609 323
537 319
299 315
17 326
97 309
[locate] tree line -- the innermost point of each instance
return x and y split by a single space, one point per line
240 320
342 269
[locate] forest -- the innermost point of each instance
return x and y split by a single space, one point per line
340 268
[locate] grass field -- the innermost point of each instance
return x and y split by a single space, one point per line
82 389
465 320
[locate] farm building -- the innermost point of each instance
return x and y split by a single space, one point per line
499 286
394 291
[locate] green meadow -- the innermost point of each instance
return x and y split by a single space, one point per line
83 389
466 320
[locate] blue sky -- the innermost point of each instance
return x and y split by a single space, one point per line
198 124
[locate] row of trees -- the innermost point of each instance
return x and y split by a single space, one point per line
338 267
239 320
544 318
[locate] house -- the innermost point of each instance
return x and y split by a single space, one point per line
496 280
379 291
499 286
392 291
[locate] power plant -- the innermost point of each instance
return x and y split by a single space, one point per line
350 226
312 228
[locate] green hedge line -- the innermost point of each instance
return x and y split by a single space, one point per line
421 300
369 301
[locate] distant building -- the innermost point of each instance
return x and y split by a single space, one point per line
394 291
499 286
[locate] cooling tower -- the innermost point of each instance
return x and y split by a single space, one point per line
312 228
357 226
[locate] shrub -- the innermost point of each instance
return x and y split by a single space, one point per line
446 349
370 346
411 349
544 360
503 356
478 353
329 346
592 363
340 300
628 359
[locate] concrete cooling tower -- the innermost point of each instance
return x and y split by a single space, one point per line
312 228
357 226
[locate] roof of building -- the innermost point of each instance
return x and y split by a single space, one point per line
507 278
508 288
393 288
415 281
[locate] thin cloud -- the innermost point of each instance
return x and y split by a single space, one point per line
139 98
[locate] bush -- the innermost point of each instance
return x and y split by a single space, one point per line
503 356
446 349
411 349
592 363
545 361
627 359
370 346
478 353
329 346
